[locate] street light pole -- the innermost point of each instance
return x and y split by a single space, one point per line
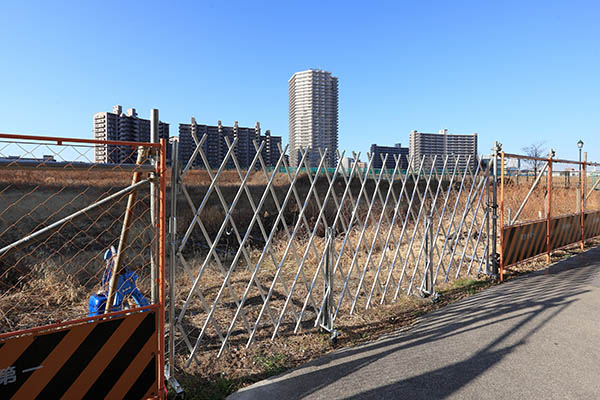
580 145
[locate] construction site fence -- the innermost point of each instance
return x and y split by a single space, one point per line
558 206
81 227
251 253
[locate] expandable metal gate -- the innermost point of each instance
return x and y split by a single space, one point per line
368 233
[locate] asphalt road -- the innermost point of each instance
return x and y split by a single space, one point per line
536 337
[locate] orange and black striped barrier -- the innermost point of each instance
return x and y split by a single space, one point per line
519 242
523 241
112 358
591 224
564 230
527 240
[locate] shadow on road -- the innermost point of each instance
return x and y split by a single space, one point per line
514 310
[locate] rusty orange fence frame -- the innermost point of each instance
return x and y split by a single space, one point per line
161 168
162 255
550 160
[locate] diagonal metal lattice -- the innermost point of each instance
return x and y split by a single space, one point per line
252 248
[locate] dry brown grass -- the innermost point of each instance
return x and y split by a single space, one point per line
308 342
50 278
53 287
564 199
53 178
120 177
36 199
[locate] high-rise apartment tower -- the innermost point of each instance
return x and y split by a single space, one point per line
313 116
122 127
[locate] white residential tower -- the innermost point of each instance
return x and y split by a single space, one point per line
313 116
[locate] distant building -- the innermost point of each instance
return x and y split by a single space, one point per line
313 116
379 152
271 151
122 127
44 159
347 162
215 147
443 144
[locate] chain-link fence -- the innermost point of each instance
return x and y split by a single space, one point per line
75 224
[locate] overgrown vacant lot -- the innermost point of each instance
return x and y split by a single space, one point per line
565 197
51 278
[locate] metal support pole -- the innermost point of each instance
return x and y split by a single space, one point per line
487 224
329 277
549 205
153 206
512 220
175 177
494 238
328 301
501 216
429 255
76 214
582 176
579 186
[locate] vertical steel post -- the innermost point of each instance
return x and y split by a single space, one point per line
487 224
331 256
582 176
153 204
426 258
172 255
429 254
327 314
549 206
501 216
494 238
579 209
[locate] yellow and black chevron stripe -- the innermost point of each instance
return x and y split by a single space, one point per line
115 359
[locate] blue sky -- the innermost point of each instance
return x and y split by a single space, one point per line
518 72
